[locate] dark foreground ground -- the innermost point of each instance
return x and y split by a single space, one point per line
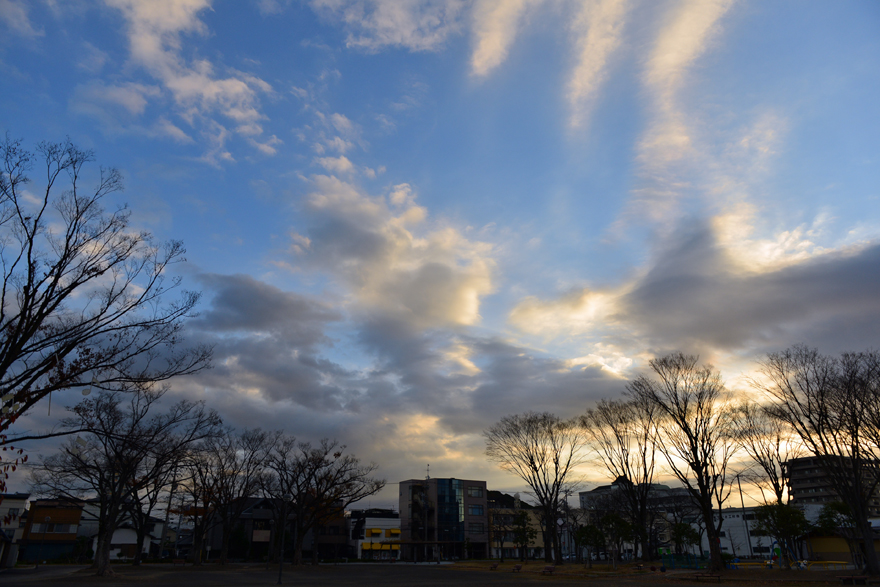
398 575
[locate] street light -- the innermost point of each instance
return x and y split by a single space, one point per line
286 497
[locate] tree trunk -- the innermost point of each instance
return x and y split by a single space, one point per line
548 543
713 534
102 552
315 547
298 549
224 543
139 546
196 554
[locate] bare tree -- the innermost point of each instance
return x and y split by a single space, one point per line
153 476
108 462
320 480
85 300
831 404
624 437
543 451
231 465
770 443
697 433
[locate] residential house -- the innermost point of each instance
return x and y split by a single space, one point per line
13 507
51 529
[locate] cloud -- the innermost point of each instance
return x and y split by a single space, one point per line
155 32
691 28
430 277
599 31
495 25
410 24
130 96
14 13
339 165
242 304
706 292
93 59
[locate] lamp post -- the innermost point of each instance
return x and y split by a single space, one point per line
40 550
286 497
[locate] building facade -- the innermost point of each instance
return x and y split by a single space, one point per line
443 519
375 534
810 485
13 507
51 530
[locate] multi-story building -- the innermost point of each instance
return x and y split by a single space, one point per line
810 484
503 524
51 529
443 518
12 510
375 534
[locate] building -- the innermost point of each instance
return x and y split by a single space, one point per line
375 534
809 484
51 530
13 507
502 523
443 518
123 544
251 532
330 538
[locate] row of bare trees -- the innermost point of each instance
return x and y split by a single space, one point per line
87 302
681 420
132 459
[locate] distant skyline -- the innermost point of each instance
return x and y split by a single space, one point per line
410 218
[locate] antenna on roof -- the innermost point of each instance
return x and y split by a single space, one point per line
428 473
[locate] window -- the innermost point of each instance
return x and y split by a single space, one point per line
53 528
13 512
475 492
475 510
761 549
475 528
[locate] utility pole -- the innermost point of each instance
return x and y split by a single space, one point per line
742 504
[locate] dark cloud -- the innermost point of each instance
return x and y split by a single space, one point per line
696 297
240 303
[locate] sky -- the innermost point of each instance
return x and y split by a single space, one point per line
410 218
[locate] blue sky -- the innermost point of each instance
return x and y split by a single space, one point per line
410 218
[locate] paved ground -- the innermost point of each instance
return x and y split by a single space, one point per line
396 575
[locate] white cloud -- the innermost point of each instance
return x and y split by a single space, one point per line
335 164
411 24
675 152
93 59
156 32
97 96
599 30
690 30
14 14
495 25
429 277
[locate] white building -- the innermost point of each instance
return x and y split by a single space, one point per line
375 534
12 507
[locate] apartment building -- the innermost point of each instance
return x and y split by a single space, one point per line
443 519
